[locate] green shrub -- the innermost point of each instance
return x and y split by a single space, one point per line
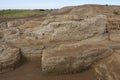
106 5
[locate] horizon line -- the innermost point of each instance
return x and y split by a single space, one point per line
56 7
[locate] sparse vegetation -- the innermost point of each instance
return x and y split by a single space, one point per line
22 13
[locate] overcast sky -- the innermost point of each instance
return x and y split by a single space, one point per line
48 4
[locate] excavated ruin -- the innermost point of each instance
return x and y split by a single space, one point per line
69 40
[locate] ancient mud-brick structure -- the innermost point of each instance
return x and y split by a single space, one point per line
113 25
113 28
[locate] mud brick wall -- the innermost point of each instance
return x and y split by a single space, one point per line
113 28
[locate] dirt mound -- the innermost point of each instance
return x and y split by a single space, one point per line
85 11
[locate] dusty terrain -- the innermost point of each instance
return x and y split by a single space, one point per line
73 43
32 70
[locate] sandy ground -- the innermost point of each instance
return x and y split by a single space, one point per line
32 71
